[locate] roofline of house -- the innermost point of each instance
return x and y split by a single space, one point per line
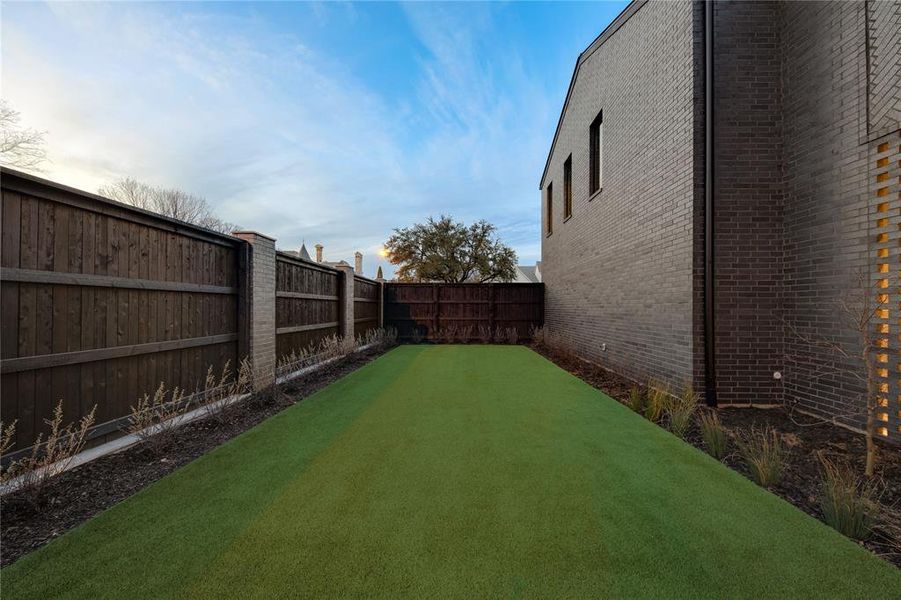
612 28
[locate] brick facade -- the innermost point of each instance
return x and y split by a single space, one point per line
620 271
748 195
806 94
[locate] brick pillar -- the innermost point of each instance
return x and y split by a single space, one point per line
261 310
346 302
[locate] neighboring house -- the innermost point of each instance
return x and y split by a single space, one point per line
798 176
303 254
525 274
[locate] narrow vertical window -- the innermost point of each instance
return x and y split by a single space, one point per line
550 208
596 153
568 187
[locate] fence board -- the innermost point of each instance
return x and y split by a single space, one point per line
430 307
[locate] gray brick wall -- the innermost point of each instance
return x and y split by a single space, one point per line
620 272
346 304
262 307
828 206
806 94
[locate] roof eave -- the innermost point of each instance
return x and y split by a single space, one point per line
612 28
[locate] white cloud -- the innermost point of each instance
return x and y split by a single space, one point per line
277 137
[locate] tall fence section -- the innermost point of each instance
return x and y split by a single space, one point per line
471 311
100 302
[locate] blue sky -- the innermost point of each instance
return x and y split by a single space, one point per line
323 122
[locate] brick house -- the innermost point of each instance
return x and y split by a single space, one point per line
720 178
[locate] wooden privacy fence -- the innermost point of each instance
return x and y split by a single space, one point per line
367 305
429 308
101 302
307 309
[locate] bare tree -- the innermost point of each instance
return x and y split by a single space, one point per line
20 147
166 201
857 361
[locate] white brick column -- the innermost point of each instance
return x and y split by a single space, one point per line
346 301
261 312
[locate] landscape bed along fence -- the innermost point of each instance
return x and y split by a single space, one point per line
464 311
101 302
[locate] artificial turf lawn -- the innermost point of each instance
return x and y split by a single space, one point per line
467 471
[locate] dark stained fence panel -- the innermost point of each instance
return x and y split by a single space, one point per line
431 307
306 304
367 305
101 302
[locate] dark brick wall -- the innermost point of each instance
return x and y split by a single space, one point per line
748 212
806 95
620 271
826 200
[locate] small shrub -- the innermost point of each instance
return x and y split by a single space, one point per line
466 334
416 335
51 456
714 435
658 397
7 437
381 338
295 360
152 418
511 335
679 411
228 384
449 334
537 333
484 334
849 504
763 454
638 400
335 346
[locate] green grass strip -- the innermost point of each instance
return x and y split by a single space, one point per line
454 471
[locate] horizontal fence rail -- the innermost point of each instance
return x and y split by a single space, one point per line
426 310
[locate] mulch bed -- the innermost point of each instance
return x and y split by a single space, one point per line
804 436
75 496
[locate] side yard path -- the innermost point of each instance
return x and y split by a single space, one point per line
453 471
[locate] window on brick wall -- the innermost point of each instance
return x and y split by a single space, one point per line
549 225
596 153
568 187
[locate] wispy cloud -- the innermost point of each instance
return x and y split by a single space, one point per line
275 128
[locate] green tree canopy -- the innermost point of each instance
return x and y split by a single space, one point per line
445 250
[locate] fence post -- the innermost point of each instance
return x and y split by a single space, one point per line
491 309
260 280
381 304
346 302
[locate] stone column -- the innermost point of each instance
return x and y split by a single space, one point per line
346 302
261 310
